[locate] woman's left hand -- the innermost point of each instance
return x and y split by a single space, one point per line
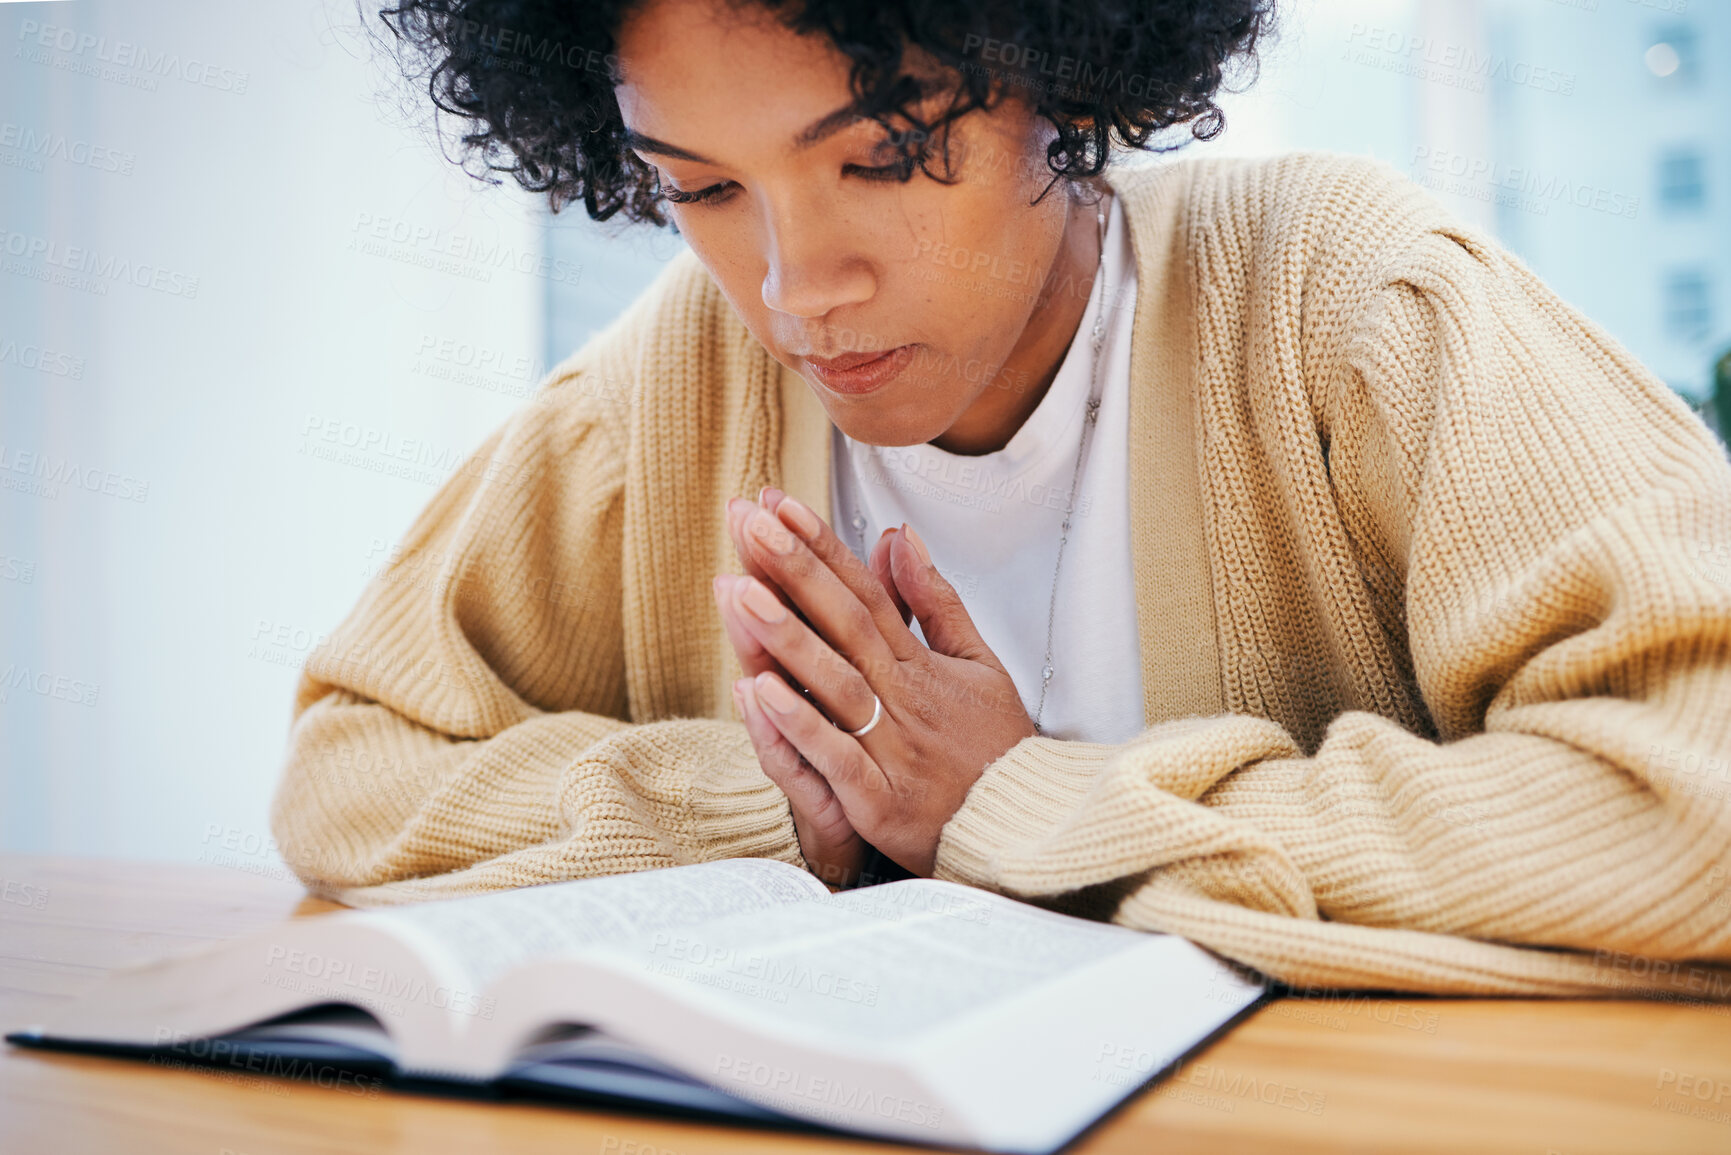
949 710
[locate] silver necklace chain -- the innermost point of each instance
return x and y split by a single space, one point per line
1096 339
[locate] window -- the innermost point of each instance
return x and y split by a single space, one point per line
1688 315
1682 180
1671 55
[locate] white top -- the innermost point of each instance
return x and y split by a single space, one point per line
992 524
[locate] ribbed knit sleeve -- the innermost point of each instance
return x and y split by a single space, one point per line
464 728
1550 527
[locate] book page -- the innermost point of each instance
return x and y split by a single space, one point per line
880 964
920 1009
488 934
339 1027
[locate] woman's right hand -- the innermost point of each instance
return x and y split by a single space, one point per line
831 847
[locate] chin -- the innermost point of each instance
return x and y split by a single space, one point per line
873 433
878 424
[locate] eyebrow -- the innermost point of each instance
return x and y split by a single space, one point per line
817 131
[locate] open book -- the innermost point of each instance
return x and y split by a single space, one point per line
916 1010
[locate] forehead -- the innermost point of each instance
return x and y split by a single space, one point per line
722 53
737 63
719 81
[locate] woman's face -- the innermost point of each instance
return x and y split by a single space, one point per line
822 256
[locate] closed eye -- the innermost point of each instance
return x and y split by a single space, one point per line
901 170
694 196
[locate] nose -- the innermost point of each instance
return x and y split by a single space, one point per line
812 265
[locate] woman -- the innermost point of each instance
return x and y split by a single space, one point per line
1240 549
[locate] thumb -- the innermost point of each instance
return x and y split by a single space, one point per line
879 564
934 601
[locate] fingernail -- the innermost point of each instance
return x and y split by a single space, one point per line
799 515
919 546
772 693
764 606
767 530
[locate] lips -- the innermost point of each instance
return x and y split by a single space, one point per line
847 360
858 373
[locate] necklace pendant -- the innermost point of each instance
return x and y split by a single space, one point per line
1046 674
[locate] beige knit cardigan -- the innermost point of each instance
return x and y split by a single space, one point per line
1433 586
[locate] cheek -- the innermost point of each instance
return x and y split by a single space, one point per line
729 252
976 277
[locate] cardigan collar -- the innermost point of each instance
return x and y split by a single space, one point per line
1181 669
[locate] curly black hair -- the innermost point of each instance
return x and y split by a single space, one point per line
534 79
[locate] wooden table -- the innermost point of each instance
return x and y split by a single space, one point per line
1301 1075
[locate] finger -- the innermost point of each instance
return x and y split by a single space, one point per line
945 621
837 686
809 795
737 509
857 782
841 599
879 563
753 658
873 592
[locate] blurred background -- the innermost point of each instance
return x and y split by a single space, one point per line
251 318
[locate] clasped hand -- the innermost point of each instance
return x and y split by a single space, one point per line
818 633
